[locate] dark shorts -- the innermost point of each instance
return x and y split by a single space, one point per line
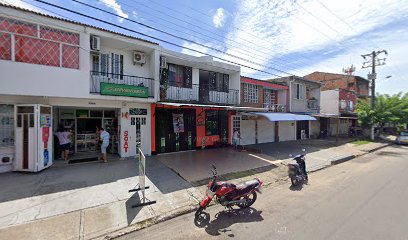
64 147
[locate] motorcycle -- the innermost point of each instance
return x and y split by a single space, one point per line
227 194
297 171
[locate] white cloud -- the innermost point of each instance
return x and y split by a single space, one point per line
266 30
219 18
118 9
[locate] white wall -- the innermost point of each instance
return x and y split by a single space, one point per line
266 131
329 103
287 132
282 94
247 132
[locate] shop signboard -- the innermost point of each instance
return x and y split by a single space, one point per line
138 111
124 90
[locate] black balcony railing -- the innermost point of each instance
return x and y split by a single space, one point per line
194 94
102 77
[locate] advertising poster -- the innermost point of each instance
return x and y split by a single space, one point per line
178 123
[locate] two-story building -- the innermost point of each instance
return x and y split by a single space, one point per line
303 99
60 74
339 95
198 98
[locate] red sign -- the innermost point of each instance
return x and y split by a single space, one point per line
45 136
126 139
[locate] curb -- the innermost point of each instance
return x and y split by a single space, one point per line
148 222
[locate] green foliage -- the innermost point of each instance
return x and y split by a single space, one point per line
387 110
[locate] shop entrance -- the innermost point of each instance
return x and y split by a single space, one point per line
83 124
175 130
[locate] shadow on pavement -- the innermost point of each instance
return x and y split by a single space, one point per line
131 213
224 219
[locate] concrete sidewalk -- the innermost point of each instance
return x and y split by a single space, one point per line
67 203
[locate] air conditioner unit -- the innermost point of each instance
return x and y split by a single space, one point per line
139 57
163 62
95 43
6 158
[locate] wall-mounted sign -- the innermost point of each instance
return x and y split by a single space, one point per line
137 111
124 90
82 113
125 140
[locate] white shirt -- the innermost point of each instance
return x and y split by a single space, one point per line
235 135
63 137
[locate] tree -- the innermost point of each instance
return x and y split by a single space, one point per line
391 110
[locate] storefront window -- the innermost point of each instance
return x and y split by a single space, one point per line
6 125
211 123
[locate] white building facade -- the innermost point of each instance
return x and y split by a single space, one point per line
56 74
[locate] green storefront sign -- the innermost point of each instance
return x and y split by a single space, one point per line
124 90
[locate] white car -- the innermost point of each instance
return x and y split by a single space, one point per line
402 138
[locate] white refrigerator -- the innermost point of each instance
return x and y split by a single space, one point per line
33 137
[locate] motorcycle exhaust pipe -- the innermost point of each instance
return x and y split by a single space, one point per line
236 202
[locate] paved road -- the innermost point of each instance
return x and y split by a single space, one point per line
366 198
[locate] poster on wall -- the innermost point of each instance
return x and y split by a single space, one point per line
45 120
178 123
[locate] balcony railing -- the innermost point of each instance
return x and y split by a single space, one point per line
102 77
193 94
275 107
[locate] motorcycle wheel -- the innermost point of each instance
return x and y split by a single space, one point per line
249 201
294 181
199 211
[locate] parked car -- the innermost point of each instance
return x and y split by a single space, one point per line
402 137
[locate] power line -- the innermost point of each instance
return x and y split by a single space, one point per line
242 51
240 29
182 38
152 37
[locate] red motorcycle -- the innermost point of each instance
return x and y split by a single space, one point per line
227 194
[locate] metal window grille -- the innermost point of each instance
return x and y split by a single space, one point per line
59 35
250 93
32 50
70 56
16 26
5 46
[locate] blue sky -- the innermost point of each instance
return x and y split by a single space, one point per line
279 37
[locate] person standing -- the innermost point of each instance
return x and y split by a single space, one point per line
104 138
235 138
64 138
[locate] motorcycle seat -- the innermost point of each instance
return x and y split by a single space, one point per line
247 184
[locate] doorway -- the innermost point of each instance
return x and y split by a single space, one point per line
302 130
169 140
204 86
324 125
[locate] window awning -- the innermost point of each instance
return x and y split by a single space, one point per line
280 117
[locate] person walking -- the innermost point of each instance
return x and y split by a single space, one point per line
235 138
64 138
104 138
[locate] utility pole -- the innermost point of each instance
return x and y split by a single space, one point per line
373 62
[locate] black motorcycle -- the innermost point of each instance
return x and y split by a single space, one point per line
297 171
